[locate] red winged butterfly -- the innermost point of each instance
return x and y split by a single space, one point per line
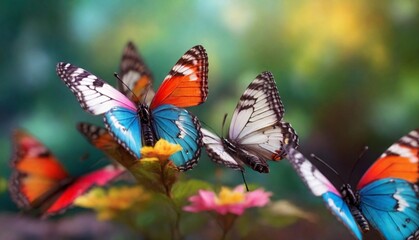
137 86
257 132
40 183
134 126
386 197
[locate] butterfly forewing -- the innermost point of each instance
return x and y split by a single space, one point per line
135 75
187 83
94 95
400 160
257 120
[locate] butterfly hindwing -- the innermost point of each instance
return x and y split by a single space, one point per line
321 186
81 185
187 83
391 206
124 125
94 95
102 139
178 126
135 75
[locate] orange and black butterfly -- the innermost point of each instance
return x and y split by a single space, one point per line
40 184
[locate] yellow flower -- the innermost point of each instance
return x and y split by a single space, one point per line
108 203
162 150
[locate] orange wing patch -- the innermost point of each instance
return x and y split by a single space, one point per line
187 83
401 160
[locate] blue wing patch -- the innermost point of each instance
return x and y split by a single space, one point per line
341 210
178 126
123 124
391 206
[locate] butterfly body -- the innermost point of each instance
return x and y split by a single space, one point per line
352 199
245 157
135 125
257 131
386 197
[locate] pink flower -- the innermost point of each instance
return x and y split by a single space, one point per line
234 201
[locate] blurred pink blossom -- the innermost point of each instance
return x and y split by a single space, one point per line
234 201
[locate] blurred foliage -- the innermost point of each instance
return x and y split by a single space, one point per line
3 185
347 72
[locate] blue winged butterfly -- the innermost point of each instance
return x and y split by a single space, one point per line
137 86
40 184
136 125
257 131
386 197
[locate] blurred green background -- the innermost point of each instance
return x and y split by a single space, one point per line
347 72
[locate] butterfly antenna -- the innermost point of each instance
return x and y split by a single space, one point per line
328 166
122 82
244 181
224 122
360 156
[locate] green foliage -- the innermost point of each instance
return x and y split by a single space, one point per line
3 185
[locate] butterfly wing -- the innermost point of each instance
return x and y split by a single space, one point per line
35 171
81 185
123 124
391 206
321 186
178 126
135 75
94 95
187 83
102 139
215 149
257 123
400 160
389 196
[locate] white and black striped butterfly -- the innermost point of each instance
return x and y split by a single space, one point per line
257 132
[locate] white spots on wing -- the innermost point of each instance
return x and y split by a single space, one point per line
401 202
182 130
130 78
188 57
183 69
403 152
114 122
411 139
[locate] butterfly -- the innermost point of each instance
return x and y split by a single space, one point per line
39 182
136 125
257 131
386 197
136 77
136 84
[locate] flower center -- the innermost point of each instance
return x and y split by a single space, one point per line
226 197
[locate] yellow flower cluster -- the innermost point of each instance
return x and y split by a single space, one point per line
109 203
